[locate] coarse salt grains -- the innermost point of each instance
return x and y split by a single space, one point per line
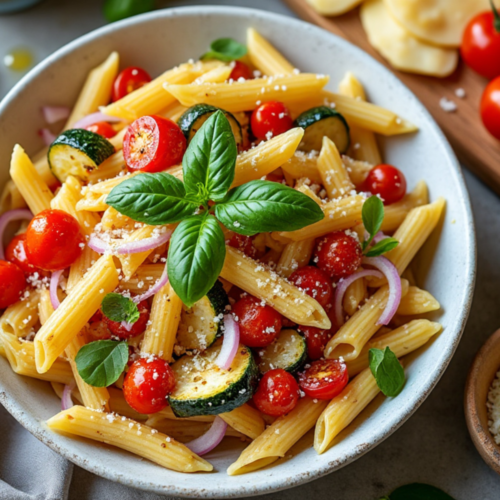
493 404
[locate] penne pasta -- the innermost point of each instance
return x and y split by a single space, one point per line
11 198
109 168
20 318
355 294
246 420
303 165
295 255
417 301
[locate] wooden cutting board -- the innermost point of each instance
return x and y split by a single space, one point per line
472 143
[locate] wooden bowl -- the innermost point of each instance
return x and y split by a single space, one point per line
481 375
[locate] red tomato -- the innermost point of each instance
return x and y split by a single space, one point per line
153 144
481 45
244 244
12 283
147 384
270 119
259 324
316 340
102 128
53 240
315 283
277 393
490 108
99 330
137 328
16 253
240 70
324 379
386 181
338 254
128 80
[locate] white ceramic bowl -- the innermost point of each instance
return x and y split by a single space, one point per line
160 40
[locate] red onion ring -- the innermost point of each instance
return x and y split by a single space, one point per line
8 217
155 288
96 117
66 401
230 343
127 326
341 288
47 136
54 283
379 237
202 445
100 246
54 114
389 270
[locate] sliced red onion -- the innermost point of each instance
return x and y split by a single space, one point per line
47 136
155 288
54 114
8 217
379 237
54 284
96 117
100 246
230 343
389 270
66 401
209 440
341 288
127 326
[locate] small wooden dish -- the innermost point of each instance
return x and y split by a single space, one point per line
481 375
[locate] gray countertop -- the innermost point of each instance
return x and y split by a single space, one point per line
433 446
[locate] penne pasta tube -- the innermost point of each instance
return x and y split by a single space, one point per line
295 256
144 278
109 168
410 276
81 265
358 170
168 413
128 435
246 420
112 219
303 165
355 294
417 301
20 318
45 308
11 198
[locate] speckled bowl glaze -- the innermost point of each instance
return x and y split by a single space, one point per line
446 265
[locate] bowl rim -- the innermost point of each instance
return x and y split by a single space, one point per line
284 481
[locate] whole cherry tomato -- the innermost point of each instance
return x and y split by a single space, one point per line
386 181
147 385
153 144
102 128
316 340
16 253
259 324
338 254
277 393
481 44
127 81
315 283
490 108
240 70
12 283
270 119
324 379
137 328
53 240
244 244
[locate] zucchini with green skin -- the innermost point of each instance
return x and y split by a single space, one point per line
288 351
201 324
194 117
77 152
202 388
321 121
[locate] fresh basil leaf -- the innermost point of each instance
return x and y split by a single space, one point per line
387 371
263 206
101 363
154 199
116 307
210 159
225 49
372 215
195 257
383 246
419 491
114 10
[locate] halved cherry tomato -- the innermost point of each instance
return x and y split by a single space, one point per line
259 324
128 80
53 240
153 144
147 384
16 253
316 340
102 128
277 393
490 108
324 379
240 70
315 283
244 244
386 181
270 119
338 254
138 327
12 283
99 330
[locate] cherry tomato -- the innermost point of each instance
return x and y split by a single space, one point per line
315 283
272 177
147 384
53 240
153 144
16 253
127 81
277 393
338 254
490 108
102 128
386 181
259 324
316 340
240 70
12 283
481 44
324 379
244 244
118 330
99 330
270 119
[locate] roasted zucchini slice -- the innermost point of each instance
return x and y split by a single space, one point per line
288 351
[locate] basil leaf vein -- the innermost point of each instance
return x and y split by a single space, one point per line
116 307
387 370
225 49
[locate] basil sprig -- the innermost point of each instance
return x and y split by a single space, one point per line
197 248
387 371
418 491
373 216
116 307
225 49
